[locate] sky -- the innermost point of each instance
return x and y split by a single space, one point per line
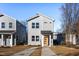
22 11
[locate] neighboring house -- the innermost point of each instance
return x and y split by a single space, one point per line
55 38
61 38
73 37
70 39
58 38
40 30
12 32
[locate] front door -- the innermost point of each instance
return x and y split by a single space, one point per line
45 40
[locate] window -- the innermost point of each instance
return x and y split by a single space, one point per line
33 38
3 25
50 22
33 25
45 22
37 25
0 36
10 25
37 38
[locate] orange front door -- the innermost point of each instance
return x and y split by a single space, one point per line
45 40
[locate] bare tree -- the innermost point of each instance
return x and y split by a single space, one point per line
70 15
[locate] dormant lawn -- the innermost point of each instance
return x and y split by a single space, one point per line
65 51
6 51
37 52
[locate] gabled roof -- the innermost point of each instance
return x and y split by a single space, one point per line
33 17
4 15
38 15
1 15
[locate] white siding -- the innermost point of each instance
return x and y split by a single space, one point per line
42 26
34 32
47 24
7 19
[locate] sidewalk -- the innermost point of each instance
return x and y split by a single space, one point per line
46 51
26 52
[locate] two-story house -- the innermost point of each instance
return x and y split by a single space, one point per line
40 30
12 32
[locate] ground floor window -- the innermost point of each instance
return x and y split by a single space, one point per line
37 38
0 36
33 38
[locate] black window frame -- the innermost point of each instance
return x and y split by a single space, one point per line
0 36
33 38
3 25
10 25
37 25
33 25
45 22
37 38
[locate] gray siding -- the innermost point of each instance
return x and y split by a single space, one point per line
20 32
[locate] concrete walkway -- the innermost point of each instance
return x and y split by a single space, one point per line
46 51
26 52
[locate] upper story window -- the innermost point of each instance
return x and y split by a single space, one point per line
45 22
37 25
33 25
0 36
37 38
10 25
2 25
33 38
50 22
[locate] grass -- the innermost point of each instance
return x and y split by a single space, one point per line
6 51
65 51
37 52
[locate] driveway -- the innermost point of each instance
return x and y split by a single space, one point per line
26 52
46 51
